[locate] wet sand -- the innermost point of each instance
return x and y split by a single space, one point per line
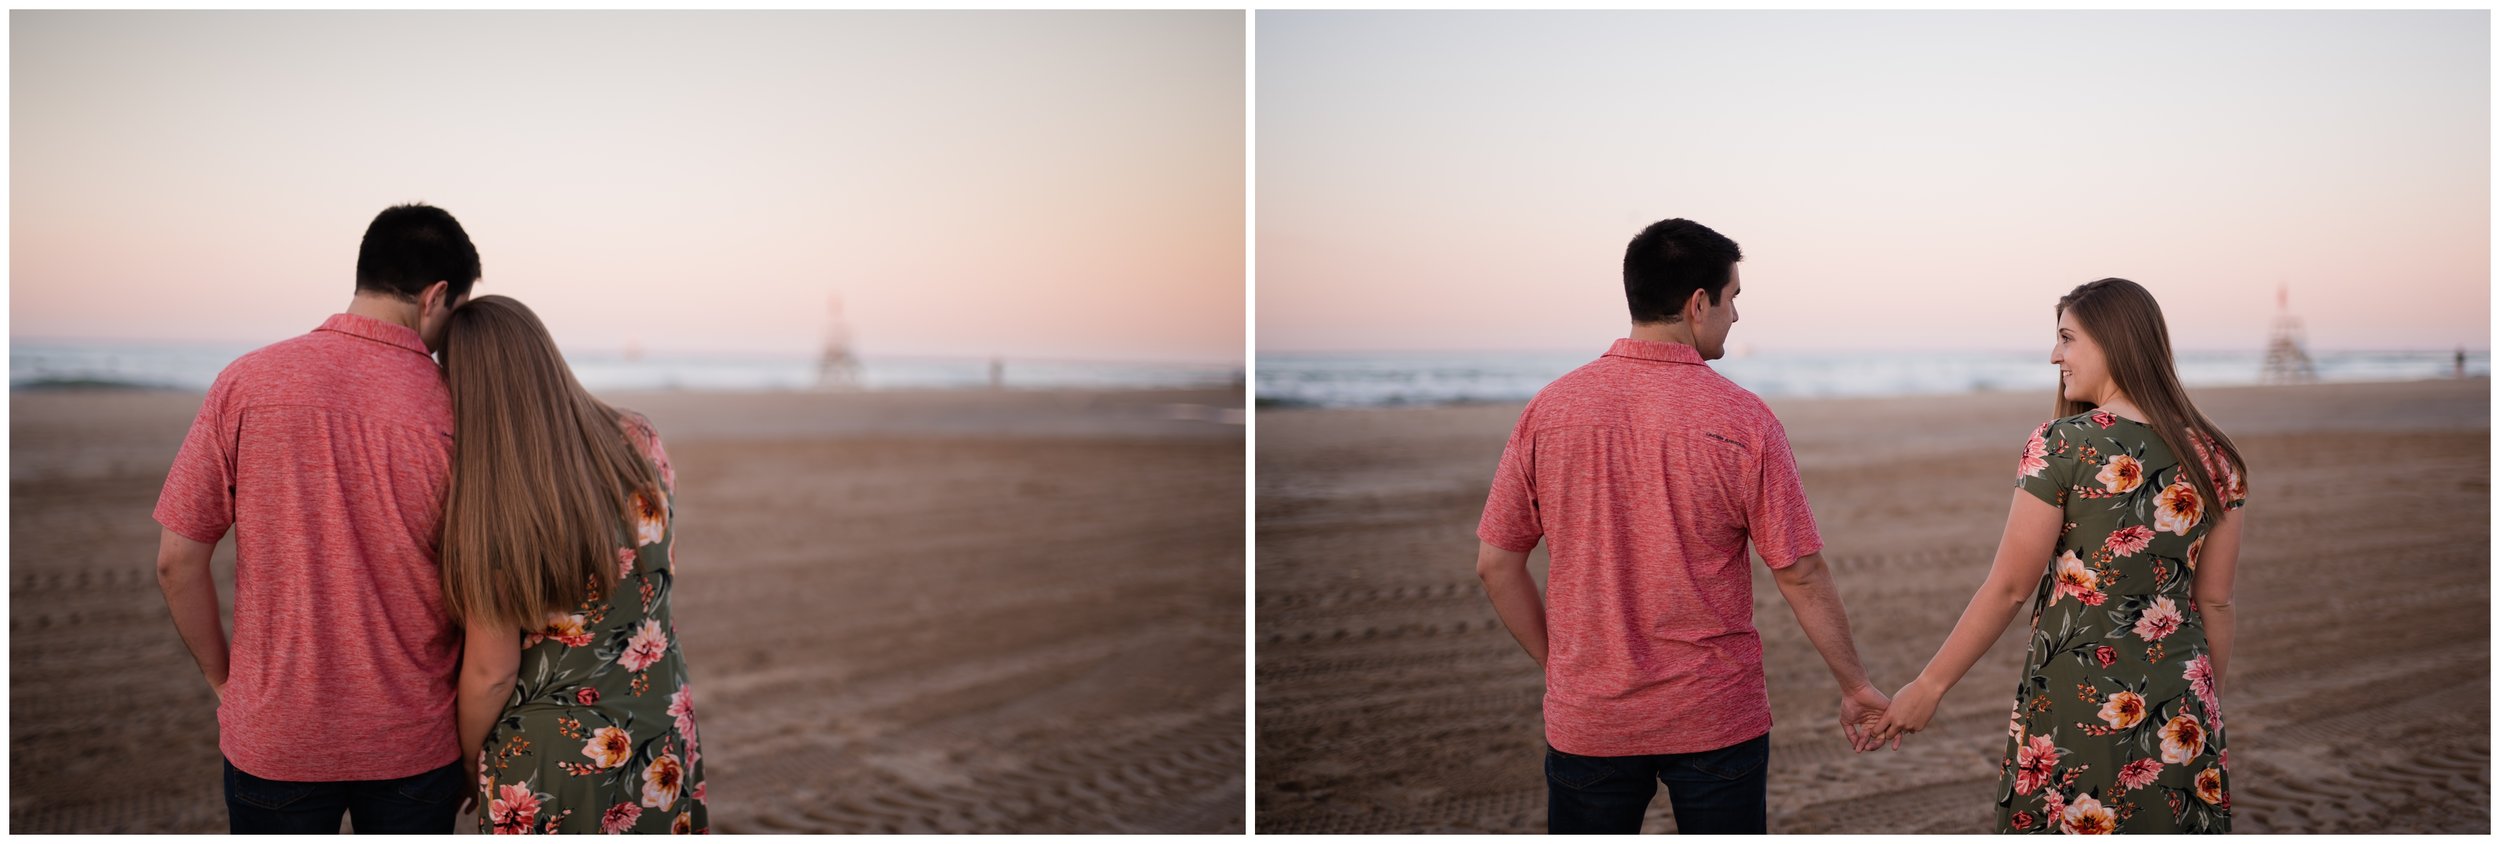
903 612
1390 698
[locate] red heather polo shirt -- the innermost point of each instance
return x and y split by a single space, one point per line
1646 473
329 454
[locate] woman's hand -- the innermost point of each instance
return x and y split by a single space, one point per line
468 794
1910 710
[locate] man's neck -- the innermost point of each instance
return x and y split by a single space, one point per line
384 308
1663 332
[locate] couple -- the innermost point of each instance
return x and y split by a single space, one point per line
451 581
1646 473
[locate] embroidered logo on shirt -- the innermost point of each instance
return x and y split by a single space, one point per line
1725 440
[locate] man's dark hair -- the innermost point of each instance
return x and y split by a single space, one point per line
409 247
1670 260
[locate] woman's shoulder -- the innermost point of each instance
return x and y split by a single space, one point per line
2076 424
637 427
646 438
633 420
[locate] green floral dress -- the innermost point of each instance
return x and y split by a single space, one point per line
600 733
2115 726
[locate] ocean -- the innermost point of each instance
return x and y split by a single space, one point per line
1436 378
40 364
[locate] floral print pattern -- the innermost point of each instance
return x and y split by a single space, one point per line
600 733
2115 725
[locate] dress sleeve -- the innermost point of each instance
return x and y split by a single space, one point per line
2049 464
647 439
1510 512
2227 479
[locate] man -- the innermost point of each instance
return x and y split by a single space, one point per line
329 456
1646 473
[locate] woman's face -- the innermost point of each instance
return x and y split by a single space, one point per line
2080 364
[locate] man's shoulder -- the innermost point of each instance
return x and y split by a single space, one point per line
261 366
324 368
1598 384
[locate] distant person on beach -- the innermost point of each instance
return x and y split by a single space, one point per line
1647 474
558 563
328 456
2117 715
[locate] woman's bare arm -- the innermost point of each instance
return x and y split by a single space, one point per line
490 663
2032 528
2214 568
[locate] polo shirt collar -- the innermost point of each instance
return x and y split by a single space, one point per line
377 331
1654 350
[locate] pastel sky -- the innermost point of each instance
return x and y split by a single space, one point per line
1055 185
1468 180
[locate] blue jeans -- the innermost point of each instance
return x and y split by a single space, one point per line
425 804
1717 792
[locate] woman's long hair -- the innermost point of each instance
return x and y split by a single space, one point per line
2123 319
542 476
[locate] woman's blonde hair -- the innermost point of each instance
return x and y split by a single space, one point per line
542 475
2126 323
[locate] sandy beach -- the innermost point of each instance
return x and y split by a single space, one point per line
1390 698
1013 611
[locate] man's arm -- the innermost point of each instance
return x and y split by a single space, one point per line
191 594
1514 594
1807 585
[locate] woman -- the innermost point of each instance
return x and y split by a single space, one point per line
2117 721
556 561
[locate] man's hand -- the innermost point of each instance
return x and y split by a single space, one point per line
1861 709
218 688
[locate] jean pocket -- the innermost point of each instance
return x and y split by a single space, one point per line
441 785
265 794
1575 772
1734 763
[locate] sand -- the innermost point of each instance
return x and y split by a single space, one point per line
1390 698
903 612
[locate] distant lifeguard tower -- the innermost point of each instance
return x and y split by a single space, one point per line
2287 352
838 367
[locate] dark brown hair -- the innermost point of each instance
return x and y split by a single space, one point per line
542 477
2126 323
1671 259
407 248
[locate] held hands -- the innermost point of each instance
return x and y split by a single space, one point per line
1911 708
1861 709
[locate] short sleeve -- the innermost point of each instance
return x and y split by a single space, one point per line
1510 513
1777 518
198 498
647 440
2049 464
2226 477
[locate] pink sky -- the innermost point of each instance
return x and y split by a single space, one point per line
1448 181
1058 185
